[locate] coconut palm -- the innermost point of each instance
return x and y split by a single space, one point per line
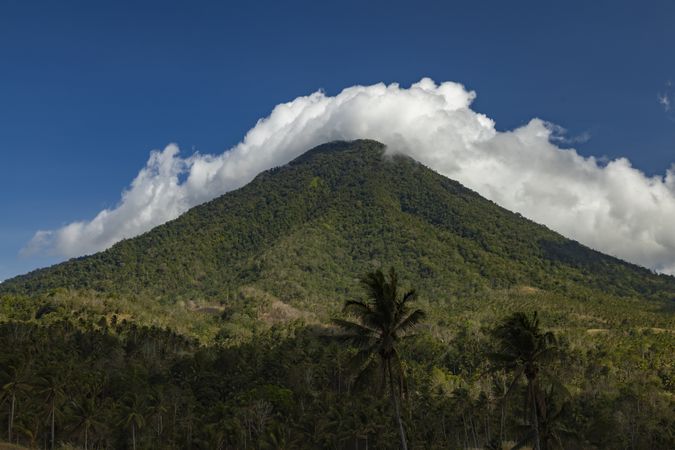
383 318
134 409
524 348
553 430
51 385
87 413
14 380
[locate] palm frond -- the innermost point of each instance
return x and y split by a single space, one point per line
357 307
411 321
409 297
516 377
364 371
354 327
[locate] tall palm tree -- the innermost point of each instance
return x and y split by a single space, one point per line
87 413
133 409
524 348
14 380
51 385
157 408
383 318
553 430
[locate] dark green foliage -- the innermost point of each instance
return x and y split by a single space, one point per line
289 387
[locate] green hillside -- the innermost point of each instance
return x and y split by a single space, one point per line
221 329
302 231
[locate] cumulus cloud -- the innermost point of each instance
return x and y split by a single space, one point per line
610 206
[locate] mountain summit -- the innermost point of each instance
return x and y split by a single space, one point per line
307 229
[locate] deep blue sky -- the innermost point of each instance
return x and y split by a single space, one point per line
87 89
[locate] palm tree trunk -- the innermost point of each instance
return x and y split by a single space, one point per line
52 446
397 409
86 435
11 419
133 434
502 421
535 416
445 436
473 431
466 433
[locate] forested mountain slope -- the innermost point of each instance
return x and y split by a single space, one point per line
305 230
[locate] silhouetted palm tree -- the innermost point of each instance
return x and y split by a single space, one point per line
51 384
14 380
383 318
553 430
523 349
134 409
87 413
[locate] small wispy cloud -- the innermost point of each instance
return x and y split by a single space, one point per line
560 135
665 98
664 101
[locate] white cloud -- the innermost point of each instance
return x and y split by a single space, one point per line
609 206
666 97
559 135
664 101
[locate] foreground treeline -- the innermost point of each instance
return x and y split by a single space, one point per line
124 386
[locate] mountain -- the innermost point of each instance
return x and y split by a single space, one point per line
306 230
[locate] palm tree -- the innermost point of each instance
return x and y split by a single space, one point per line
157 407
87 412
14 379
52 385
383 318
553 431
524 348
133 409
